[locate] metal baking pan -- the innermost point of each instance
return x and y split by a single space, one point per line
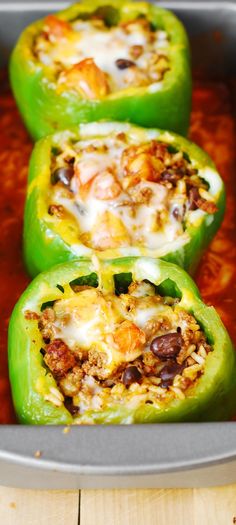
167 455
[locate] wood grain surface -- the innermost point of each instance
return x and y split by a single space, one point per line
213 506
38 507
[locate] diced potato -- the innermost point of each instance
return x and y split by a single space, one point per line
109 232
86 78
55 27
129 337
105 186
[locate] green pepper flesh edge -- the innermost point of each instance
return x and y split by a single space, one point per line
212 398
45 111
44 247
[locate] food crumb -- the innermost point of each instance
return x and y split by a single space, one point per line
234 519
12 505
38 454
66 430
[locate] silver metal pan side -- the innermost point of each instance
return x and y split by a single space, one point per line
174 455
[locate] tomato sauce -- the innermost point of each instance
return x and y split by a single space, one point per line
212 127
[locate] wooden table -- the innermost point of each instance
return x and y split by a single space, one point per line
213 506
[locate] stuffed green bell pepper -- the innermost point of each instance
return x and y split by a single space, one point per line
119 190
126 61
121 341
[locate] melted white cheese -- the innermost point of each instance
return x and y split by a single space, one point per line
89 320
150 225
84 319
140 220
105 46
144 313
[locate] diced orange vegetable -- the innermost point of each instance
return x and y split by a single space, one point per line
84 190
109 232
129 337
142 163
56 27
86 78
105 186
85 171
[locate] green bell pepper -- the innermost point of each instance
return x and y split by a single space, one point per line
46 108
211 397
49 240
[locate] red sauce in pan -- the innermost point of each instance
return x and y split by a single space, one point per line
212 128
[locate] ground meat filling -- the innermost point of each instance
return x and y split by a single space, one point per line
131 53
131 349
119 192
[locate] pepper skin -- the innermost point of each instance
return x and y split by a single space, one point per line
45 108
211 398
46 245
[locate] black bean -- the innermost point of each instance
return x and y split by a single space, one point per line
124 63
176 213
63 175
172 175
46 340
71 161
179 212
168 373
131 375
193 198
42 351
70 407
169 176
167 346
